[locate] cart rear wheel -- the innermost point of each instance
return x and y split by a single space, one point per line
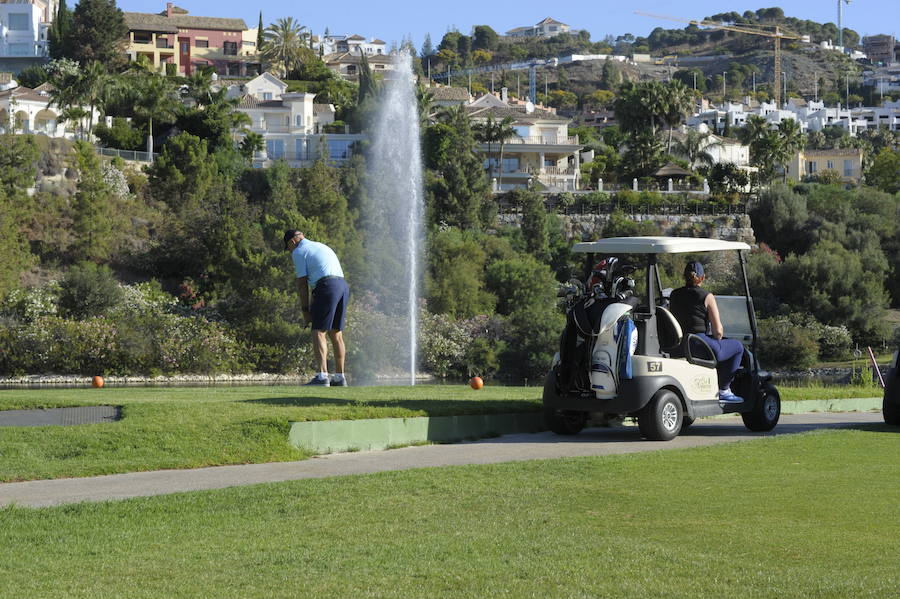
662 418
561 422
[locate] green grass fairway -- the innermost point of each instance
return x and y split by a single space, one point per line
180 427
192 427
811 515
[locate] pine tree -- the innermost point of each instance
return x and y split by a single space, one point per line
427 47
91 210
99 33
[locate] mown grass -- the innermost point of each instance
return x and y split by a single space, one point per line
811 515
182 427
808 392
192 427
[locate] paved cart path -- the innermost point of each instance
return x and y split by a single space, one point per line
509 448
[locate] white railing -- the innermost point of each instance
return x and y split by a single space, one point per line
543 141
127 154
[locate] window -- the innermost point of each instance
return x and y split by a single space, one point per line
275 148
229 48
811 167
143 37
339 149
19 49
19 21
848 168
831 165
267 95
185 47
510 165
302 149
201 43
298 120
351 69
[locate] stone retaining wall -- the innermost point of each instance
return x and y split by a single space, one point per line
578 227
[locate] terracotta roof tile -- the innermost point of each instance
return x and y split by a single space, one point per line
140 21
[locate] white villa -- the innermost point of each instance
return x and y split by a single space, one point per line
348 64
549 27
542 152
292 125
26 110
355 44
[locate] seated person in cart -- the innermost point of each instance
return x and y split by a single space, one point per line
697 312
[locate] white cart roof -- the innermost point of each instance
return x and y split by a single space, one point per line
656 245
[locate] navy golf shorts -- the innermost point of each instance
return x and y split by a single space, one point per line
328 308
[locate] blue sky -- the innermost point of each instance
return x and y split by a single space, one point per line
392 20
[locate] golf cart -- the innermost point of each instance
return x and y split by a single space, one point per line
890 408
626 356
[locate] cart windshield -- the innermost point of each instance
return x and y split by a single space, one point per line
735 319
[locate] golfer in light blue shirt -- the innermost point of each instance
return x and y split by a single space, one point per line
317 266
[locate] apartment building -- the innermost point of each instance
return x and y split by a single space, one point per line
189 42
880 48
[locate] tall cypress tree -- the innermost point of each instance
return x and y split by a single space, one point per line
57 36
260 34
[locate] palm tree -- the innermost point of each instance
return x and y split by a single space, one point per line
424 100
492 131
695 147
95 80
678 102
156 98
198 86
286 44
504 132
75 114
790 140
252 143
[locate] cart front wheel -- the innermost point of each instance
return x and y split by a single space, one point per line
764 415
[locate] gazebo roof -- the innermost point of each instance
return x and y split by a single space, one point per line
672 170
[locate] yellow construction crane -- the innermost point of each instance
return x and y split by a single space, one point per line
777 36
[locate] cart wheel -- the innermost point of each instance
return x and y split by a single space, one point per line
662 418
764 415
564 422
891 411
561 422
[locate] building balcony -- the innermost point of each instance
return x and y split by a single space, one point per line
24 49
537 140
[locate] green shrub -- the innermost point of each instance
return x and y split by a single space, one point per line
27 304
88 290
443 344
121 134
784 343
136 343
